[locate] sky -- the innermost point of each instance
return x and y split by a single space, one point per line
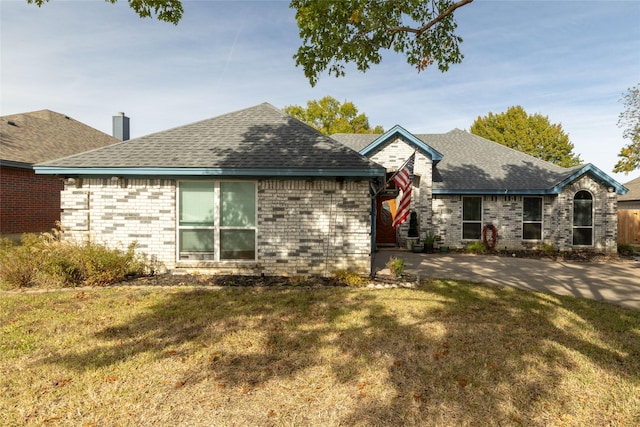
571 61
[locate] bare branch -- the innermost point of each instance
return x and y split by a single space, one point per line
442 15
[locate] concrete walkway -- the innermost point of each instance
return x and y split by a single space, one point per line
615 282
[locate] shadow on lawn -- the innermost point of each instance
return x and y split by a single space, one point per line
489 342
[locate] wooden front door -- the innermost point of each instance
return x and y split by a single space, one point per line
385 209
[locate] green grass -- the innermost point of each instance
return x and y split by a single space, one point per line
447 353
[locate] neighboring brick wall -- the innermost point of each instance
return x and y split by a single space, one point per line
29 203
304 227
392 156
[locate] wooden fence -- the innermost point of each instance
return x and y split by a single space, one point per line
629 227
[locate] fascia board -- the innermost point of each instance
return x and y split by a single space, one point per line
399 132
290 172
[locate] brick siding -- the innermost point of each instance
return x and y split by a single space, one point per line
443 214
393 156
29 203
304 227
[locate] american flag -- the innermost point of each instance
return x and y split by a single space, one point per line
404 180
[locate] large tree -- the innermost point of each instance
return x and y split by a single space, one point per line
531 134
336 32
164 10
630 120
330 116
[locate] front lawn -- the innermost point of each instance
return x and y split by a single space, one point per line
448 353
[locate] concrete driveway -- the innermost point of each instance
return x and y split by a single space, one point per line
614 282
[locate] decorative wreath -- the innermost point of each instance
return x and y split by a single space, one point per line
490 243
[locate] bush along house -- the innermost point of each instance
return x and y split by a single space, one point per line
258 192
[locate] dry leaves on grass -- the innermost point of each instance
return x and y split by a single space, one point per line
323 356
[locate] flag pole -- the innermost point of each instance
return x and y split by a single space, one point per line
394 174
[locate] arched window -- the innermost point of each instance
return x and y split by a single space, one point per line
583 219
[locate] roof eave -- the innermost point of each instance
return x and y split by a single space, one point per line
497 192
399 132
217 172
592 170
17 165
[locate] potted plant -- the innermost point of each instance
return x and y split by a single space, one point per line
429 240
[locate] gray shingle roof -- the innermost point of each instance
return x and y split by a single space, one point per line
259 138
43 135
472 163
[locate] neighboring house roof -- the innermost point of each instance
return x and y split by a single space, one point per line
257 141
39 136
634 191
474 165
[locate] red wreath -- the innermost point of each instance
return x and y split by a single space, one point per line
494 236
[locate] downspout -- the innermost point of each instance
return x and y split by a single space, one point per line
372 247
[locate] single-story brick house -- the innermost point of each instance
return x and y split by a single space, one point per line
254 192
30 203
258 192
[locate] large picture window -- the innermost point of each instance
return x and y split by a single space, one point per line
532 218
216 220
583 219
471 218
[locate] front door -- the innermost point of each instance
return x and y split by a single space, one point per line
385 211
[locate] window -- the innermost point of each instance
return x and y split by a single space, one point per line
216 220
532 218
471 218
583 219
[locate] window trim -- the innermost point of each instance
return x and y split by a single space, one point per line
216 227
573 226
541 221
472 221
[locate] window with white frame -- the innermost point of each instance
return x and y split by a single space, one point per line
217 220
532 218
471 217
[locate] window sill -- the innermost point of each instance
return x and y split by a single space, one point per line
218 264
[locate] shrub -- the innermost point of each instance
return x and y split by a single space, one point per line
47 261
625 249
16 268
547 249
476 247
396 266
349 278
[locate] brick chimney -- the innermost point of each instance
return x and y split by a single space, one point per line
121 127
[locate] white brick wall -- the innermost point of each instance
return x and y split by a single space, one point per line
314 227
120 212
304 227
392 157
